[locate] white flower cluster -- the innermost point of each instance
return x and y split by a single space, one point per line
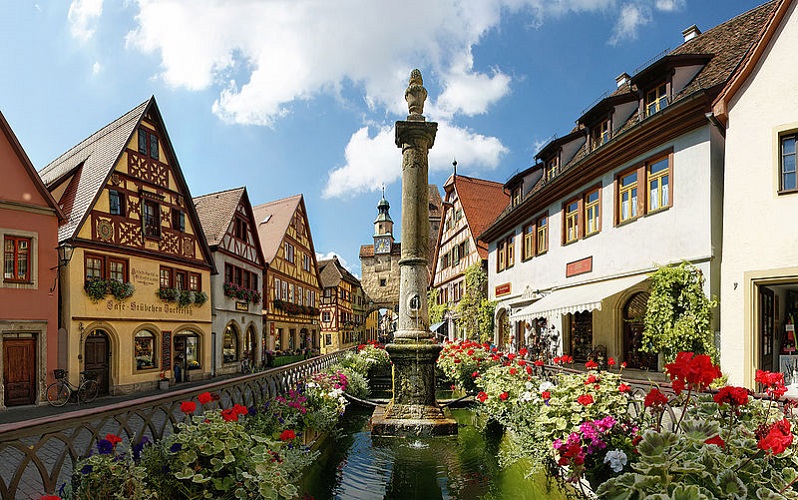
616 459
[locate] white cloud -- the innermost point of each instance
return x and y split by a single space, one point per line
96 68
372 162
632 16
669 5
83 16
330 255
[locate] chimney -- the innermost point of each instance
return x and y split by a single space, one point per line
621 79
691 33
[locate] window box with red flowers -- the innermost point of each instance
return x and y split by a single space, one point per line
234 291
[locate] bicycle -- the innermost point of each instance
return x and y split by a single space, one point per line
60 392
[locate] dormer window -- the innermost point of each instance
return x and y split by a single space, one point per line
551 167
656 99
600 134
516 199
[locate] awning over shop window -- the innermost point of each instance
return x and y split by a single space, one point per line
576 299
437 326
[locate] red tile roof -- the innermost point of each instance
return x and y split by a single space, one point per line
482 202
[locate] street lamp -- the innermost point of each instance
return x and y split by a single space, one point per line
65 252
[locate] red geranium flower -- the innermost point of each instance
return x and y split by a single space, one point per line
229 415
590 379
696 372
611 362
523 352
624 388
50 497
287 435
456 360
482 396
591 364
585 399
240 409
513 371
538 362
511 356
113 438
205 398
773 382
735 396
717 440
528 370
188 406
503 396
655 398
545 395
557 360
778 438
475 375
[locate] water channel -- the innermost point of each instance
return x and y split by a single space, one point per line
356 465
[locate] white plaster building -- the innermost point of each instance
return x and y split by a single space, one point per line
636 185
759 280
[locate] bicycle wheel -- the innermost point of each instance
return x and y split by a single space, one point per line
58 393
88 391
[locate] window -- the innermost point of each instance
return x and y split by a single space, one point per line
180 280
145 350
592 212
306 262
383 282
289 252
148 143
572 221
658 173
17 259
192 352
230 345
240 229
300 297
117 270
179 220
528 245
787 163
501 256
656 99
166 277
94 267
510 251
277 294
627 196
516 196
551 167
600 134
116 202
151 219
194 282
542 225
285 290
325 316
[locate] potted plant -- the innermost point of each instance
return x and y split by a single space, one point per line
163 383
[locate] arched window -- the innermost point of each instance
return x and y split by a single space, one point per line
145 350
249 344
230 344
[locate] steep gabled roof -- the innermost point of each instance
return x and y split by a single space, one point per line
90 163
272 221
28 166
93 159
482 202
746 67
332 273
216 212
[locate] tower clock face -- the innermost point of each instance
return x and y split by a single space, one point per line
382 245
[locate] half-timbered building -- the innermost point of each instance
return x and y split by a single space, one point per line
135 294
469 206
292 285
237 289
343 307
29 219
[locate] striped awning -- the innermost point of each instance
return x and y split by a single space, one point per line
576 299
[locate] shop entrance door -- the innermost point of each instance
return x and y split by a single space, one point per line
19 371
767 328
633 313
96 358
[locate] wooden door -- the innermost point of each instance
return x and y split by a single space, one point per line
767 328
96 358
633 314
19 371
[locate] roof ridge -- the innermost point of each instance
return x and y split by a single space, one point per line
93 137
277 201
769 4
483 181
240 188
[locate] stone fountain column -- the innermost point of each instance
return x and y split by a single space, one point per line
413 410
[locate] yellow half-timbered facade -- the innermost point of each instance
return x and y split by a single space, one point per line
134 299
292 287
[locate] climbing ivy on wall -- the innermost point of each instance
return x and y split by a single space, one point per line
475 311
436 311
679 315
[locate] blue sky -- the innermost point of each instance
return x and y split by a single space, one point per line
295 96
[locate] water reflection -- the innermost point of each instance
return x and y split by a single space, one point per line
355 465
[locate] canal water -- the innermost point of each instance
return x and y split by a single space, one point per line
355 465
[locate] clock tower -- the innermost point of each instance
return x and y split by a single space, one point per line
383 228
